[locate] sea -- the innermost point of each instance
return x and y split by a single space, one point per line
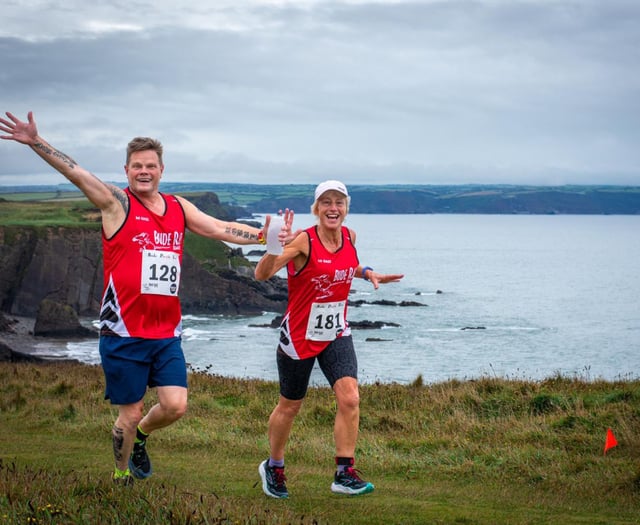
523 297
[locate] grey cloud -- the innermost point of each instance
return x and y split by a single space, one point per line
413 89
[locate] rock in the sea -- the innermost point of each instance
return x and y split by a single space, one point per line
59 320
6 324
370 325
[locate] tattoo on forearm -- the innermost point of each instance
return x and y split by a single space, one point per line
239 232
118 439
55 153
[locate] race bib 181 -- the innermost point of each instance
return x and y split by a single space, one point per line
325 321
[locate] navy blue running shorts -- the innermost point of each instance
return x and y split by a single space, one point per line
131 364
336 361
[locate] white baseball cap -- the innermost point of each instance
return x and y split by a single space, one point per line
335 185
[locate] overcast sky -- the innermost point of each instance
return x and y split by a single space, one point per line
258 91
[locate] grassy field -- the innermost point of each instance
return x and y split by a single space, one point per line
35 196
475 452
65 212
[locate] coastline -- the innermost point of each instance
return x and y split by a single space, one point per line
23 345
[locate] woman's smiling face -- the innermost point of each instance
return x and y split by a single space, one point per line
332 208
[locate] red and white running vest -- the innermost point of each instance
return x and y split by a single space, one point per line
142 263
317 308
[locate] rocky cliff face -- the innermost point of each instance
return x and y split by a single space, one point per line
65 265
61 264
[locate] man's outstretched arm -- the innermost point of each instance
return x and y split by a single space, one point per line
109 199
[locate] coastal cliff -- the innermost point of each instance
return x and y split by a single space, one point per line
64 264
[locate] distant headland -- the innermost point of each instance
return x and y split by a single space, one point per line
399 198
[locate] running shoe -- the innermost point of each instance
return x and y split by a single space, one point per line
139 462
273 480
349 482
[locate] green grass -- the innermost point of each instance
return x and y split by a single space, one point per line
212 254
472 452
73 212
35 196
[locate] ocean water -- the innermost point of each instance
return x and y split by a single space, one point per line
515 296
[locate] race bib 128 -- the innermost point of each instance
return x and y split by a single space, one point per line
160 272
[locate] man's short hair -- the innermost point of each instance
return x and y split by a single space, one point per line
144 144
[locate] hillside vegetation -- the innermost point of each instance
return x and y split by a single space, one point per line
74 210
483 451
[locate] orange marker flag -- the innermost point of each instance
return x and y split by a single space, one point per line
610 441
